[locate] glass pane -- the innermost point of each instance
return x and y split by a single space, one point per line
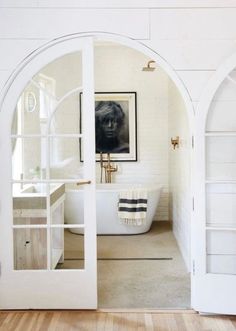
65 160
65 72
221 158
57 199
27 117
39 98
29 204
67 248
30 249
66 118
221 205
28 158
221 252
74 204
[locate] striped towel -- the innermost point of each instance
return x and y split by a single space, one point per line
132 207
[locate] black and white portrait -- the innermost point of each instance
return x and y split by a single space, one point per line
112 126
115 123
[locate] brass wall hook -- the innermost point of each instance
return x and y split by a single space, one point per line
175 142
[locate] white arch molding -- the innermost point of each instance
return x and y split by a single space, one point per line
30 65
51 51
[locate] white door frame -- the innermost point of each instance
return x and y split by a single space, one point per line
25 64
215 293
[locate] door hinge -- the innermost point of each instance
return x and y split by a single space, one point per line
192 141
193 203
193 267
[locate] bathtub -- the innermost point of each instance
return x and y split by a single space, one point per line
107 196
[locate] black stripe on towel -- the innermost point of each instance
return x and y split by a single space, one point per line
133 200
132 210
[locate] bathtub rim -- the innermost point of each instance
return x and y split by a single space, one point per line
119 187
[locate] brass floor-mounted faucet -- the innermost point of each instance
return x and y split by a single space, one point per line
107 167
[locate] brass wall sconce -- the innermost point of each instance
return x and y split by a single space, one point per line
175 142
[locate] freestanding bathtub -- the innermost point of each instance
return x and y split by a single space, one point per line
107 196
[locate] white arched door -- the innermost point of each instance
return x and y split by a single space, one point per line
214 228
35 273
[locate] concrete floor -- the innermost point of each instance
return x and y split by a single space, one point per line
126 279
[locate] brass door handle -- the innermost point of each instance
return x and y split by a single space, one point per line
84 182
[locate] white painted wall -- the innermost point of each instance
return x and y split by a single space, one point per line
179 172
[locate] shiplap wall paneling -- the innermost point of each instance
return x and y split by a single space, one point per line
4 75
9 58
227 90
121 3
52 23
221 205
193 54
221 158
195 81
217 122
221 252
18 4
189 24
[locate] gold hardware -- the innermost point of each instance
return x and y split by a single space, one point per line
108 167
175 142
84 182
101 166
149 67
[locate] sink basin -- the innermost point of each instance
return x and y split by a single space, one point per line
38 188
35 196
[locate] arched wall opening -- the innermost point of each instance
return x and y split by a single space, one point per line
178 125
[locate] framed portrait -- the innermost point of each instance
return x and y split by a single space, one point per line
116 125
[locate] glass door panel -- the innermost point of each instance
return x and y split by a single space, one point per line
28 158
67 243
65 161
47 166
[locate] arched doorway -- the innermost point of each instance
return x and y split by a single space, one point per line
10 96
